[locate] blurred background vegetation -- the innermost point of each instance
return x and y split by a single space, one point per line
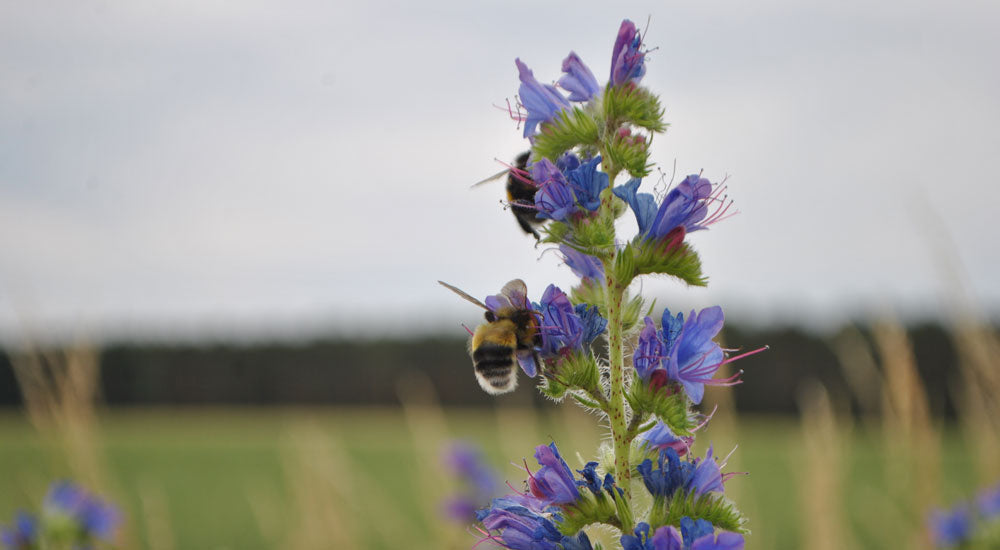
849 437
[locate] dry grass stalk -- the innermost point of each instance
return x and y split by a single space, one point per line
979 399
317 477
156 517
824 526
912 443
430 434
60 392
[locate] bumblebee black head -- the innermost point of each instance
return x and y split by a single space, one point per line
490 316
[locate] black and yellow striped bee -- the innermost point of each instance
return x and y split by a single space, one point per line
508 337
520 194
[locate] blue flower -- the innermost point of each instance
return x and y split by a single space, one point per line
542 101
553 483
643 205
692 530
672 474
567 161
951 528
94 517
562 329
641 539
587 184
671 327
554 197
989 503
593 323
22 534
583 265
627 61
590 478
578 80
580 542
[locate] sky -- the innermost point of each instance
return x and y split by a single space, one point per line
248 169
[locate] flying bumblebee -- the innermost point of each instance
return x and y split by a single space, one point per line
508 337
520 194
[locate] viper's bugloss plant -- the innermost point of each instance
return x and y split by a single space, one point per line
71 519
584 138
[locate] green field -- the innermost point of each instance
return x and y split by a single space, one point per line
369 478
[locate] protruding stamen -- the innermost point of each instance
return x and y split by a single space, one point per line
747 354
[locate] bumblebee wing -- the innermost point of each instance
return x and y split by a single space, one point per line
494 177
463 294
517 292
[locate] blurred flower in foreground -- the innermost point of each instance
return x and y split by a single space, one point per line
71 517
478 482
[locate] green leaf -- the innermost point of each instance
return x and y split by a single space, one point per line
633 105
661 257
567 130
555 232
672 409
590 292
711 507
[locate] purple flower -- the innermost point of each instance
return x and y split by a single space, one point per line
466 462
661 437
951 528
577 79
989 503
562 329
649 352
587 184
477 480
22 534
627 61
542 101
667 538
583 265
554 198
553 483
725 541
519 527
94 516
591 480
706 476
685 205
695 358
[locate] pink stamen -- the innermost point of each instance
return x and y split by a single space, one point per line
747 354
731 381
467 330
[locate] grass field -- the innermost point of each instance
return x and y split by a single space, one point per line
369 478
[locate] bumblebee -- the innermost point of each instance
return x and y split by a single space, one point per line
520 194
508 337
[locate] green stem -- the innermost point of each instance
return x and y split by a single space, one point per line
616 403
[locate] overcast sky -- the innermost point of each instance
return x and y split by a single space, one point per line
219 168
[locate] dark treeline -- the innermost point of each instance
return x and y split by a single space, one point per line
347 372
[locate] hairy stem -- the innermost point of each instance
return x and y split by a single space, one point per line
616 401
